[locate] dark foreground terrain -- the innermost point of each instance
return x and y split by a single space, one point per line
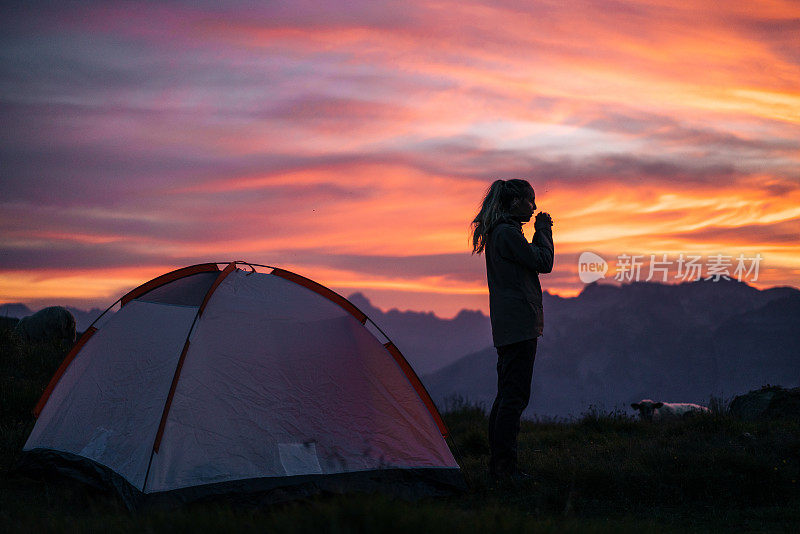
598 473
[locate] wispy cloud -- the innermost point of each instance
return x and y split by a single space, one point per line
354 144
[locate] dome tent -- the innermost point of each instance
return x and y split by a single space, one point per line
210 381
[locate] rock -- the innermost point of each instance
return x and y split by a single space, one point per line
53 323
769 402
8 323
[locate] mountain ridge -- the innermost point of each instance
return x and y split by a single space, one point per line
613 345
647 321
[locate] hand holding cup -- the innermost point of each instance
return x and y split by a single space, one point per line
543 220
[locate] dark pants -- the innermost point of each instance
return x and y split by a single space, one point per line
514 374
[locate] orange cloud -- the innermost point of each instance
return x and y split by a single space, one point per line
333 142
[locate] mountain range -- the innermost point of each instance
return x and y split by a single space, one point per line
607 347
429 342
613 345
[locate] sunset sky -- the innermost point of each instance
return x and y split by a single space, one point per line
351 142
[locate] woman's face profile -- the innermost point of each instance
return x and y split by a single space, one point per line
522 208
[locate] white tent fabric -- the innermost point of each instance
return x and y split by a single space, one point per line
107 405
278 381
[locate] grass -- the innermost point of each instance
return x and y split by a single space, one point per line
707 473
603 472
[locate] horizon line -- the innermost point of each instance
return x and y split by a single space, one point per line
384 310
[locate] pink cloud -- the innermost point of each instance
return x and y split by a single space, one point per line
354 144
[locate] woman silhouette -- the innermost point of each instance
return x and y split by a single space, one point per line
515 307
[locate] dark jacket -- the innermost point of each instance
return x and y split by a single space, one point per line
512 270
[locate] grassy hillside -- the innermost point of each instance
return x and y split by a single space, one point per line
601 473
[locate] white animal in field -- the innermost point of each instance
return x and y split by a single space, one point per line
658 411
